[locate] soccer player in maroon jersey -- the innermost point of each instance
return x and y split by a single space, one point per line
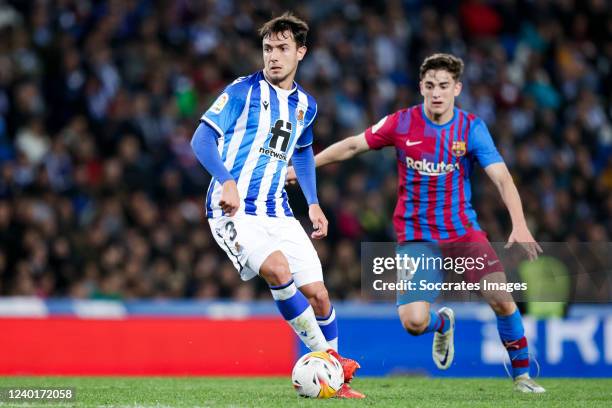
436 145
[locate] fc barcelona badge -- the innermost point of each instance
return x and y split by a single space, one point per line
458 148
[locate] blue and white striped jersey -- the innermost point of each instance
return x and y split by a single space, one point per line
259 126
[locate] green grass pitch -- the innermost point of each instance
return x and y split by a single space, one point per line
277 392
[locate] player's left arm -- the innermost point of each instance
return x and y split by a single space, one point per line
499 174
304 166
483 148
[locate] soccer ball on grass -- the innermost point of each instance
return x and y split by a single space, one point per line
317 375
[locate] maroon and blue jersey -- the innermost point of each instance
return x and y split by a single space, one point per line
434 163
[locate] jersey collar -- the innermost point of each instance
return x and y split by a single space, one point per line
429 122
278 90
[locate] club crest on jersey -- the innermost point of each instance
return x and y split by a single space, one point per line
458 148
299 115
220 103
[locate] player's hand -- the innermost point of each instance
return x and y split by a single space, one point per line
522 236
291 178
319 222
230 200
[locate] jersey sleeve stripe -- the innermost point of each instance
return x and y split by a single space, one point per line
213 125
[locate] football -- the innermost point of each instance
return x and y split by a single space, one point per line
317 375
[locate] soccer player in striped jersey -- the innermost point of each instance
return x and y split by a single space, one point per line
436 144
245 140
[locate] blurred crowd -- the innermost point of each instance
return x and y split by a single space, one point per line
101 196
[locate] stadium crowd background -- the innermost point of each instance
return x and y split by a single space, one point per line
101 196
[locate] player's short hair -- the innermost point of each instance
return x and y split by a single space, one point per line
447 62
286 22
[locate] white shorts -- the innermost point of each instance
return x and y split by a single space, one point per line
248 240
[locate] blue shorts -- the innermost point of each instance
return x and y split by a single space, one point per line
418 274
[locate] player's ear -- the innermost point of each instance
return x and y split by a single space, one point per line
301 52
422 88
458 88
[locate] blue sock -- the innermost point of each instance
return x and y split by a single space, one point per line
296 310
437 323
329 327
512 334
290 301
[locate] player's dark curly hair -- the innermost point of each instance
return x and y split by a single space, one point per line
286 22
446 62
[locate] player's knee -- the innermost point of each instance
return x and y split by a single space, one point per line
320 302
414 325
501 307
276 271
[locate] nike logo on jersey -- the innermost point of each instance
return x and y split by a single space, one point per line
265 104
491 263
416 142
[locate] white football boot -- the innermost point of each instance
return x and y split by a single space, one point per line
524 383
443 349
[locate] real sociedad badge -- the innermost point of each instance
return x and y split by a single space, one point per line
299 115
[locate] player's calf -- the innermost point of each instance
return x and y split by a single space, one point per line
299 314
326 315
512 335
329 327
318 297
291 303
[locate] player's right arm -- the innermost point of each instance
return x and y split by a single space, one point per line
374 138
214 123
342 150
339 151
204 145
